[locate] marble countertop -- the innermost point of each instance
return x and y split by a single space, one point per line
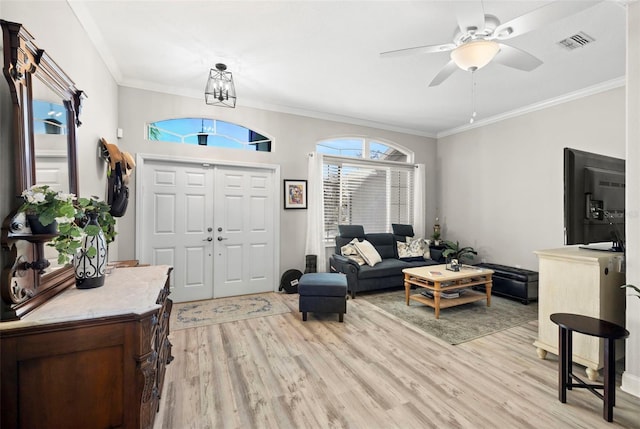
125 291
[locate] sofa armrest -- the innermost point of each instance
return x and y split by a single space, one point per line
342 264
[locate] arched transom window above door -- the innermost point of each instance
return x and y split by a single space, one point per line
208 132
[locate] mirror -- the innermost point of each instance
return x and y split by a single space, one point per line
50 149
46 108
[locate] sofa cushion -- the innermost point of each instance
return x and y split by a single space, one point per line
323 284
421 263
436 254
386 268
384 243
351 231
401 231
368 252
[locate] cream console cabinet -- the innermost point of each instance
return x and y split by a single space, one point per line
92 358
579 281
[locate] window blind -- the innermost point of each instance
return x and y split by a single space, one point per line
370 193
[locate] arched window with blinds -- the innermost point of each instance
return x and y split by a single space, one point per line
366 188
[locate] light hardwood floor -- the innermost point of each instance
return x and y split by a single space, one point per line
373 371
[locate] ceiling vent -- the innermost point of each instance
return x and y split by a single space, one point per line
576 41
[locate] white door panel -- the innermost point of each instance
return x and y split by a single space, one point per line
244 217
185 204
178 203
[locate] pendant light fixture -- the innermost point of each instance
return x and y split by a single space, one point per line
220 90
202 136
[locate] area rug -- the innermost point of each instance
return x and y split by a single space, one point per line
456 324
221 310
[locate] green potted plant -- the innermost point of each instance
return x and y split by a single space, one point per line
454 251
69 239
104 218
45 208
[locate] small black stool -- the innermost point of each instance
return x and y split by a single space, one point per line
568 323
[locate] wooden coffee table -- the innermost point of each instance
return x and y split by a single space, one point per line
438 279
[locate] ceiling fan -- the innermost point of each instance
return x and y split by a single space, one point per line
478 39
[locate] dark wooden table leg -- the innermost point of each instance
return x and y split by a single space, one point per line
569 358
562 364
609 378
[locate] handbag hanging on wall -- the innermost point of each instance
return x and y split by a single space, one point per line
118 193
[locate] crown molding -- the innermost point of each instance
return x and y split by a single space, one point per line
244 102
585 92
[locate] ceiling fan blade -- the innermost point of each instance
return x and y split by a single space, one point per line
516 58
444 73
540 17
418 50
470 16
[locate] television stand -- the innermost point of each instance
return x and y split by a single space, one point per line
578 281
601 247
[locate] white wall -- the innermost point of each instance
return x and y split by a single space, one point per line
631 376
293 138
57 31
501 185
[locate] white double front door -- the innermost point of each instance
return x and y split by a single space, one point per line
214 224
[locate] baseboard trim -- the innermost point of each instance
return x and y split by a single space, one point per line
631 383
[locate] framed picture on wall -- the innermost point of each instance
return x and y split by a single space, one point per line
295 194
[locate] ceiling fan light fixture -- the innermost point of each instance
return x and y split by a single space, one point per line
474 55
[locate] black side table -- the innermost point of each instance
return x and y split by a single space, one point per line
568 323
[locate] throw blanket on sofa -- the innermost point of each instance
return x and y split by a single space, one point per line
350 251
365 252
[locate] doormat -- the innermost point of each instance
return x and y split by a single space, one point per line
456 324
222 310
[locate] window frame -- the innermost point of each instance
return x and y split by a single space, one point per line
366 148
365 161
212 130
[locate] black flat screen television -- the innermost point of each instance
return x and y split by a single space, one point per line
594 188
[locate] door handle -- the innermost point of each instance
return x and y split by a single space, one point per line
222 238
208 239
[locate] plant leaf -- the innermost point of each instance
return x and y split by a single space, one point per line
92 230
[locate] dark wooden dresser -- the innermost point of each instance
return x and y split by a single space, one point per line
90 358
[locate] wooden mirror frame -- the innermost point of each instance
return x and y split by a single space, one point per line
24 287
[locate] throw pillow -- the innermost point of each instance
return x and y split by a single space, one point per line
427 252
403 249
416 246
368 252
349 250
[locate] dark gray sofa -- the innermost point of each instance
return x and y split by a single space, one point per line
385 274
